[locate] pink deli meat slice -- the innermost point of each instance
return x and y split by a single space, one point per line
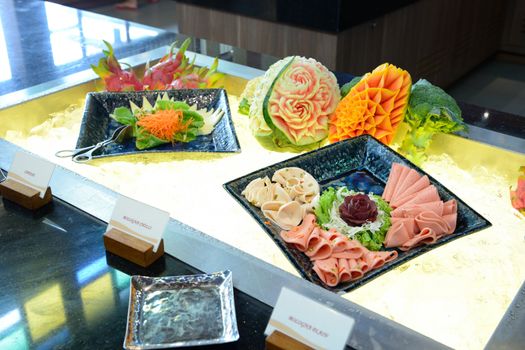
450 207
393 179
428 194
410 193
328 271
430 220
401 231
426 236
352 250
318 248
410 211
356 269
299 236
344 270
404 184
451 220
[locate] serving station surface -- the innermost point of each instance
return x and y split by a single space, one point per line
463 295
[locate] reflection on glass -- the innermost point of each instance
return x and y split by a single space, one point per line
93 269
97 30
66 47
75 34
5 71
16 340
60 17
123 295
9 319
97 299
55 341
121 279
45 312
65 34
137 33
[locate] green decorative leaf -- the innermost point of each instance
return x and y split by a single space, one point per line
345 89
124 116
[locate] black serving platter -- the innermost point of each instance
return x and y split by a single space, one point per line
363 164
97 125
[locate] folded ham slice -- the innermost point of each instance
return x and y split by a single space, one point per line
335 257
420 216
426 236
410 193
328 271
393 179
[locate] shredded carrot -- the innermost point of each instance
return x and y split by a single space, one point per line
164 124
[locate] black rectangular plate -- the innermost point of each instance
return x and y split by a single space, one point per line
363 164
97 125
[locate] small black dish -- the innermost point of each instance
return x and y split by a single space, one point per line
97 125
362 164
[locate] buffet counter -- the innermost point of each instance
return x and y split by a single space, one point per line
455 294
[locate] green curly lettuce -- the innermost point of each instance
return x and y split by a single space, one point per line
430 110
370 235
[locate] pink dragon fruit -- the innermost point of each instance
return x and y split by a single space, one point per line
115 78
201 78
173 71
162 74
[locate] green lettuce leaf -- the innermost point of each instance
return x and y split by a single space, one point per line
124 116
197 121
145 140
345 89
323 207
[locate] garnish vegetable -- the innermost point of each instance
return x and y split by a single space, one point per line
167 121
292 102
375 105
371 233
430 110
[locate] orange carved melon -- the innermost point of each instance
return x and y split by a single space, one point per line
375 105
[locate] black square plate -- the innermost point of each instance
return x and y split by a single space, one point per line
97 125
362 164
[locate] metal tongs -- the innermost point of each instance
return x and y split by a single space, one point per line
82 155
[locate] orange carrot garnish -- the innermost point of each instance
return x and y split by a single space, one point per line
164 124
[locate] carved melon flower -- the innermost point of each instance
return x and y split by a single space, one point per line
375 105
293 102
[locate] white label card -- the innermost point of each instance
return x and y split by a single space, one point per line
31 171
139 220
309 322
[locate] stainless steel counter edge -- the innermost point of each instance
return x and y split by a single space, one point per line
251 275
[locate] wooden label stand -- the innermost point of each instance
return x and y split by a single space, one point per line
131 248
23 195
280 341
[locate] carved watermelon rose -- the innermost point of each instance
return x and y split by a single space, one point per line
294 101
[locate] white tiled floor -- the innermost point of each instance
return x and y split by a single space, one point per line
494 84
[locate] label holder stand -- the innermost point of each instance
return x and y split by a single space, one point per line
24 195
280 341
131 248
